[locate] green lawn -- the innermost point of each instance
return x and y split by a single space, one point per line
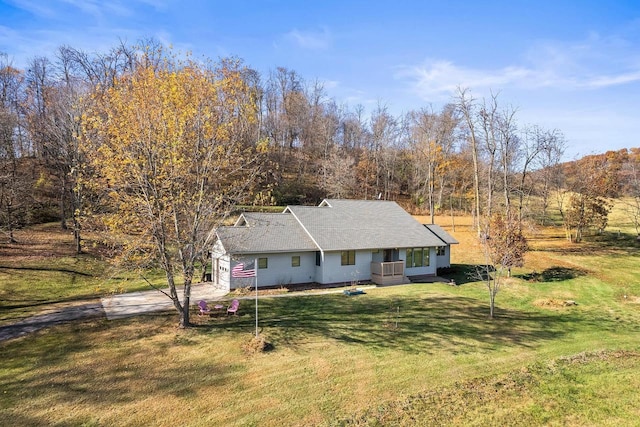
42 272
422 354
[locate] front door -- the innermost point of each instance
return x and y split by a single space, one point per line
391 255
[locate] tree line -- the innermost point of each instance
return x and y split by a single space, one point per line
470 155
160 148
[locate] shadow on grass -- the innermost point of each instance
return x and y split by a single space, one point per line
408 323
554 274
50 365
460 273
93 363
605 244
59 270
466 273
12 305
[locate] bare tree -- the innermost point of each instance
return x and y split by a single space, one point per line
550 145
14 194
285 103
488 118
431 138
509 148
385 132
632 202
466 105
340 173
57 103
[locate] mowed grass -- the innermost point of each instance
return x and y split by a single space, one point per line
423 354
42 272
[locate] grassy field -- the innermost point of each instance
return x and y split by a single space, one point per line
42 272
423 354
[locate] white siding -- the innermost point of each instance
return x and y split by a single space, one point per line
319 272
417 271
335 272
279 271
223 272
444 261
377 256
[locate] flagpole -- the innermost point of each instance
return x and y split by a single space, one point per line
256 266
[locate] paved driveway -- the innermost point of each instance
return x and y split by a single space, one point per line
49 318
114 307
127 305
135 303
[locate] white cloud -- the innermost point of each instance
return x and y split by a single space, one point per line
440 78
594 63
98 9
313 40
614 80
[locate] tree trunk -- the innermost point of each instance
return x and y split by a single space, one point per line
453 223
492 302
77 240
185 321
63 220
476 185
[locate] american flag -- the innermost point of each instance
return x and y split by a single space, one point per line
244 270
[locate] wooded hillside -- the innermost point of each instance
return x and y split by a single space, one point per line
472 155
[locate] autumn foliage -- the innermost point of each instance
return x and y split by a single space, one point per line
170 145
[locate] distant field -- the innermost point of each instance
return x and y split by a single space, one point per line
422 354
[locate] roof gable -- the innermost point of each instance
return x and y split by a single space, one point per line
256 232
338 224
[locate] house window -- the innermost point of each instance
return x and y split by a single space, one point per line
440 251
262 263
295 261
318 258
417 257
348 257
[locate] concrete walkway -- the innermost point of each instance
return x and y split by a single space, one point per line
136 303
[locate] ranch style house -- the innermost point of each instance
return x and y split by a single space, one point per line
336 242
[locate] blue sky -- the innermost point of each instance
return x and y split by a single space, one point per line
571 65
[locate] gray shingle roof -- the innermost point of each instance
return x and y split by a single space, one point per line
333 226
362 224
265 232
442 234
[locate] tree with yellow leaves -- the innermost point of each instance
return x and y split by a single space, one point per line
175 145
